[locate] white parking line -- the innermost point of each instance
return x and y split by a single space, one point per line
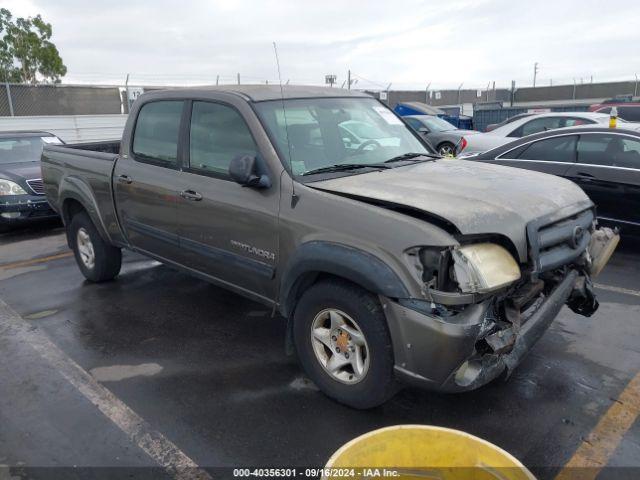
611 288
157 446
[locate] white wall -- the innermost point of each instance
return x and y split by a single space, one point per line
71 128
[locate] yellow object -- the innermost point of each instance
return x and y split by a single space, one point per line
419 452
613 118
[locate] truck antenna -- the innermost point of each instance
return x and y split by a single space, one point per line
294 197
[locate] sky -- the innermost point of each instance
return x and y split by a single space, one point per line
409 44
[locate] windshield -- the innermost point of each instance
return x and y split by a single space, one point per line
436 124
23 149
329 131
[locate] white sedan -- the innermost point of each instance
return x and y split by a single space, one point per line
527 126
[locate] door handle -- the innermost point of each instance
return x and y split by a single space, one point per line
191 195
125 179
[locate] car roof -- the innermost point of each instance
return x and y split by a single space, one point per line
25 133
260 93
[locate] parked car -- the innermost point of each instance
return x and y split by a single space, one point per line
604 162
627 111
22 197
529 125
388 263
493 126
438 132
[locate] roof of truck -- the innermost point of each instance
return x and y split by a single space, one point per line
259 93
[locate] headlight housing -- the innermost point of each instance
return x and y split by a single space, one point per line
484 267
7 187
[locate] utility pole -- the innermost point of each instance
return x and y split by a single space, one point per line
238 79
126 89
535 73
217 79
349 80
513 91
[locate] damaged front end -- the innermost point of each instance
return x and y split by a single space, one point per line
483 311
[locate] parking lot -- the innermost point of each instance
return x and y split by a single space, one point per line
198 377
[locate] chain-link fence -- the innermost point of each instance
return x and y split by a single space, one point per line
31 100
44 100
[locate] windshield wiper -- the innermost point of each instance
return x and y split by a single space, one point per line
409 156
340 167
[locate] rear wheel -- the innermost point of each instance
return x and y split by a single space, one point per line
343 343
98 261
446 149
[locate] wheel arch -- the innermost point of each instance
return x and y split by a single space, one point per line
74 204
320 259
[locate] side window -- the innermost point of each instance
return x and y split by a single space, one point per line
597 149
413 123
217 134
556 149
609 150
155 138
515 153
630 157
574 122
538 125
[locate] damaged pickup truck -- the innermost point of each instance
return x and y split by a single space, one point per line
391 264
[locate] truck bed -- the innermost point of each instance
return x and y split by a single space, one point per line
83 170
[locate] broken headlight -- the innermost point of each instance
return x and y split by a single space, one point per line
483 267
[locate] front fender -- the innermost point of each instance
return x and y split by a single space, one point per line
357 266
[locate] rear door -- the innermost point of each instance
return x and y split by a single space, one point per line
552 155
145 180
227 231
608 170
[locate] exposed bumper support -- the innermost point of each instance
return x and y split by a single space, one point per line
438 353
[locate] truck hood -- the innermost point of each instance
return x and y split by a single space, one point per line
477 198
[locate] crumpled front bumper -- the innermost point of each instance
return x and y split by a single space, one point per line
439 352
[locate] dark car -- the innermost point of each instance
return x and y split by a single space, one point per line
438 132
604 162
493 126
22 197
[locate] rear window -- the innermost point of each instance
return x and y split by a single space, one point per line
156 134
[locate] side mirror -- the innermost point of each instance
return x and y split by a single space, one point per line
249 171
424 130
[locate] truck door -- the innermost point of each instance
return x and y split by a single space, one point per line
227 231
146 178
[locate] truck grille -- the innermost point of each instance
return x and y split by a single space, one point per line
556 243
36 185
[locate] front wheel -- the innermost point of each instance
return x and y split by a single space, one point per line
98 260
343 343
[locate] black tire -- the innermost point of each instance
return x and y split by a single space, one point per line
447 148
107 258
378 384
